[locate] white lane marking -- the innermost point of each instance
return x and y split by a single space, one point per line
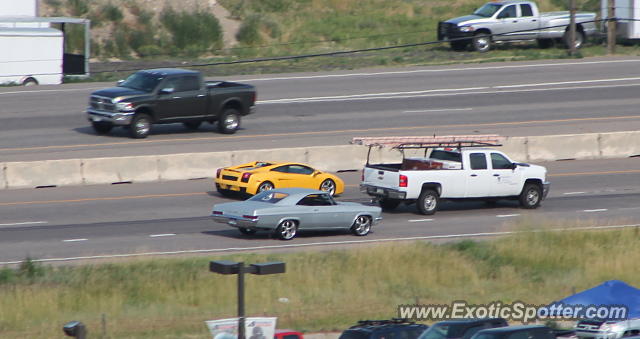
237 249
420 220
25 223
162 235
439 110
398 96
595 210
573 193
75 240
506 215
348 75
568 82
366 95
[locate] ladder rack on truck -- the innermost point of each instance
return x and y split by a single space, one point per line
430 142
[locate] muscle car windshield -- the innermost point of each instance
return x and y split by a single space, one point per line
487 10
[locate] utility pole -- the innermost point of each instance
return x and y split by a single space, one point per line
572 27
611 28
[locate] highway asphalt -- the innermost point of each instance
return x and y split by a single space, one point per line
110 221
511 99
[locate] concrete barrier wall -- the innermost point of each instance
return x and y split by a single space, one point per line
327 158
191 165
43 173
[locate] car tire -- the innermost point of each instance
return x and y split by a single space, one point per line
229 121
287 229
30 82
531 196
328 186
247 231
389 204
192 125
265 186
566 38
481 42
361 226
140 126
428 201
101 127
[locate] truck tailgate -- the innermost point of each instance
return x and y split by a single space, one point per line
381 178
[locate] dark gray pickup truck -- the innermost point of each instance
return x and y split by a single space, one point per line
170 95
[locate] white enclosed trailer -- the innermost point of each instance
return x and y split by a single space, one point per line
31 56
627 13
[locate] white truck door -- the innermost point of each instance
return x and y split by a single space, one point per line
506 180
528 22
478 176
507 23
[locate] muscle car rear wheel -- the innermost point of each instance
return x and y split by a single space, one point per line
101 127
531 196
287 230
140 126
192 125
361 226
247 231
265 186
428 201
328 186
229 121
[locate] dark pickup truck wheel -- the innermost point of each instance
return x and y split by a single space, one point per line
140 126
229 121
102 127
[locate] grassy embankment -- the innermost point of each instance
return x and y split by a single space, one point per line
326 290
142 34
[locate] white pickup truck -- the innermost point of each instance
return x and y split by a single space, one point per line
465 171
508 21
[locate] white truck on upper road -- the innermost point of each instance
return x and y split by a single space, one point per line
509 21
456 168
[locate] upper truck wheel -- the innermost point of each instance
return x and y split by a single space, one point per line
482 42
229 121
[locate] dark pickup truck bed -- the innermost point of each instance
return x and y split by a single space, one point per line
170 95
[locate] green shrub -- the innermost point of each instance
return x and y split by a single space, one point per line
78 7
199 31
249 32
112 13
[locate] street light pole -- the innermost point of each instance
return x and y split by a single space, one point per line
231 267
241 327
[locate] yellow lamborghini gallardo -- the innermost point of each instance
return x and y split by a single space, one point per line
258 176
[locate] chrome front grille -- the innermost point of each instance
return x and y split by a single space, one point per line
101 104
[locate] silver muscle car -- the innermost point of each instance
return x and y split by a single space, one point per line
287 210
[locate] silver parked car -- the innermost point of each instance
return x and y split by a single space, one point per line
287 210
